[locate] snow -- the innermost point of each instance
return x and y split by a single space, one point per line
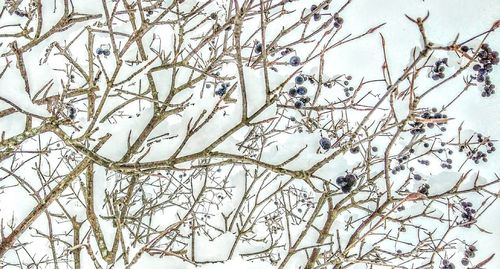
361 58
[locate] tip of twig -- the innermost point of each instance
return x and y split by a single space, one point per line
479 265
426 16
495 25
376 28
410 18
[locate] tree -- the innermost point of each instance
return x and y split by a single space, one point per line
212 130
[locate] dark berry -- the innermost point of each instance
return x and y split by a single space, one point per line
341 181
258 48
351 179
221 91
346 189
299 104
325 143
72 112
299 79
301 90
294 61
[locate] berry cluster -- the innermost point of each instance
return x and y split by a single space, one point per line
325 143
447 163
468 213
424 189
469 253
338 20
424 162
419 127
400 166
286 51
315 10
101 51
346 182
348 90
301 102
222 90
476 154
437 71
487 58
273 223
433 114
447 265
305 200
301 91
20 13
316 15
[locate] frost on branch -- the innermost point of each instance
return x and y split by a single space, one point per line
215 133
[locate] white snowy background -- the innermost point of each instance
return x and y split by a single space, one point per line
361 59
